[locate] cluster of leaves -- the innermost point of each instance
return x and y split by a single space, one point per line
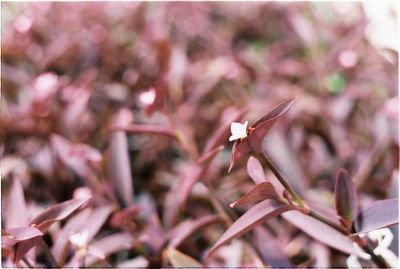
115 121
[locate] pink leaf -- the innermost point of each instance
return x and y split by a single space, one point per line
188 227
257 132
21 234
120 167
16 210
378 215
272 252
255 170
258 214
346 199
320 231
221 135
261 191
57 213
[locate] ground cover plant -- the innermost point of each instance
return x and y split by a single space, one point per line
210 134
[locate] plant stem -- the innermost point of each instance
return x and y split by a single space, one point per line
28 262
302 207
50 255
327 221
282 180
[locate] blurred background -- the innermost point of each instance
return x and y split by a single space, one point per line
119 101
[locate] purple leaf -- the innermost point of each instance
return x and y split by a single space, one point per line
259 213
221 135
346 199
207 157
261 191
188 227
255 170
96 221
181 260
257 132
120 167
59 248
320 231
23 247
276 112
149 129
109 245
16 214
81 158
272 252
262 126
239 149
378 215
21 234
57 213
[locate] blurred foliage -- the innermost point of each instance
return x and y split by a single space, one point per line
77 76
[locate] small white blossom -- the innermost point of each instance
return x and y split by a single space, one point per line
238 130
383 237
148 97
79 240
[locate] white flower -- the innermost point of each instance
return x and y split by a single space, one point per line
79 239
148 97
383 237
238 130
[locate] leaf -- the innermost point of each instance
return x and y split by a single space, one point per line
21 234
109 245
239 150
207 157
272 252
276 112
179 259
185 229
263 125
96 221
120 167
80 158
261 191
59 249
257 132
346 199
57 213
16 210
259 213
255 170
378 215
221 135
149 129
320 231
23 247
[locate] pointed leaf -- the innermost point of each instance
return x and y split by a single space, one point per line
261 191
59 249
255 170
179 259
187 228
57 213
276 112
21 234
221 135
378 215
120 167
109 245
239 150
320 231
272 253
346 199
23 247
16 214
259 213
